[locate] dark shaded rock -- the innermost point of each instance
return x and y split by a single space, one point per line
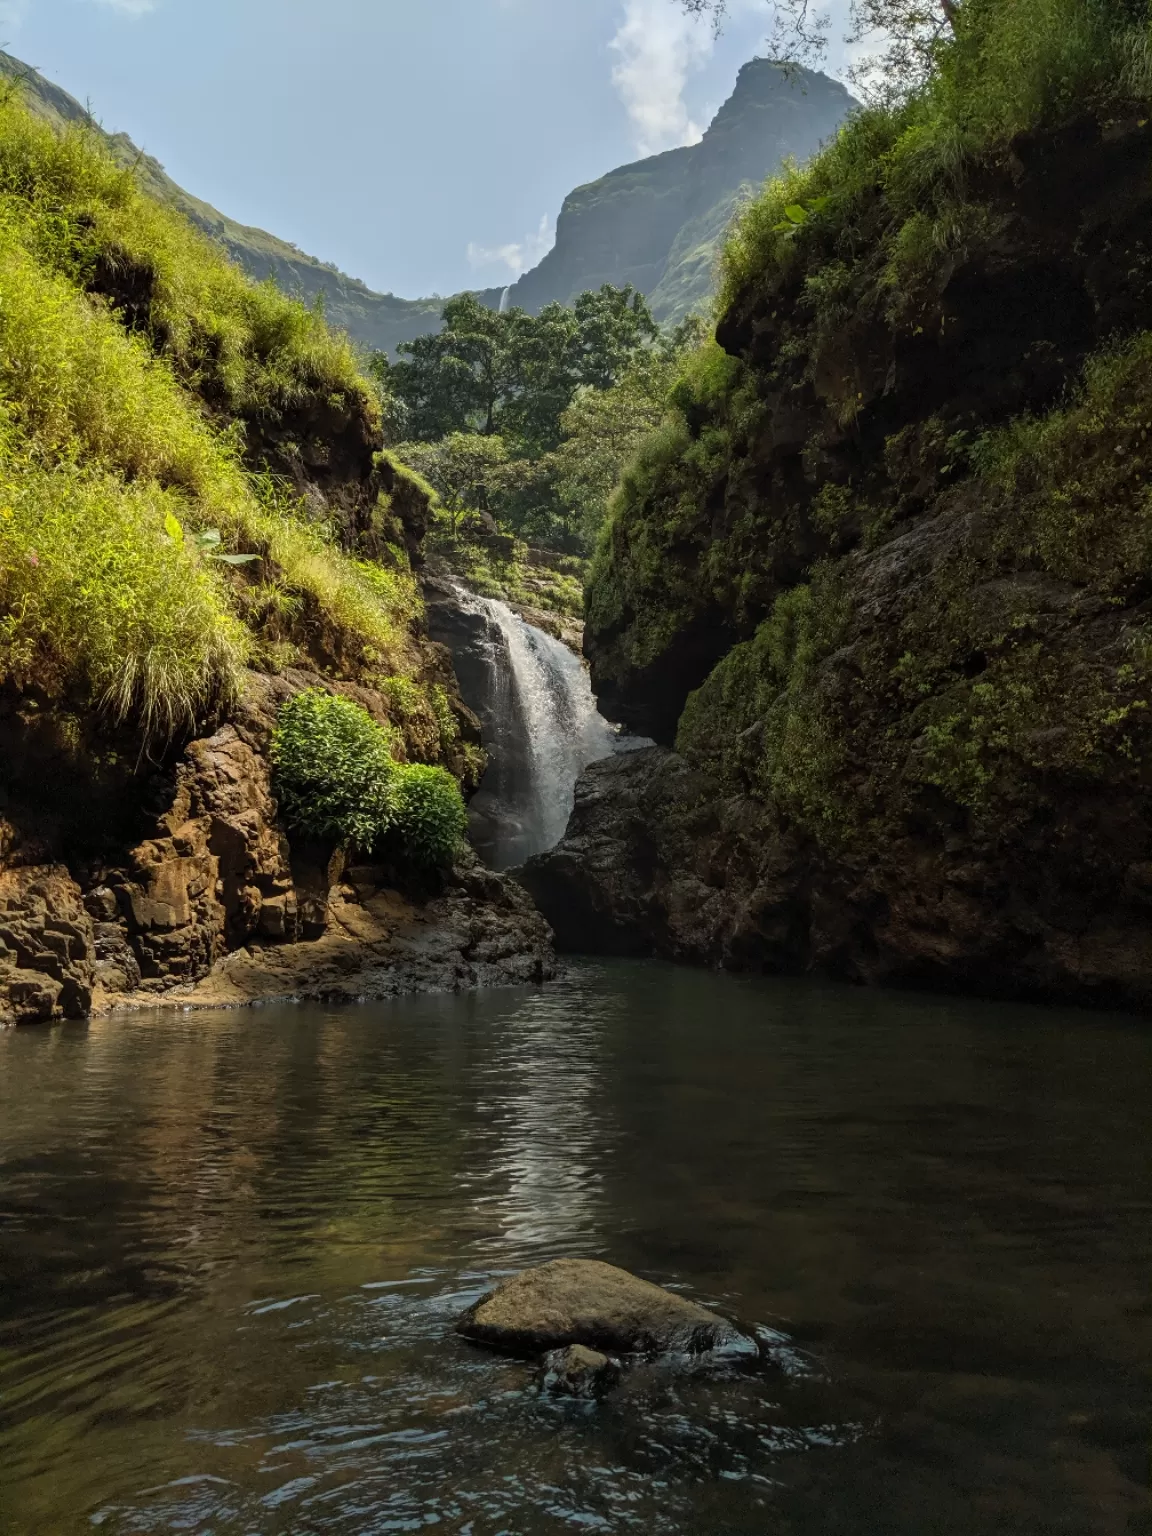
579 1372
871 403
586 1302
655 862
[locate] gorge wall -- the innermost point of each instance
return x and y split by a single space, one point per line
881 588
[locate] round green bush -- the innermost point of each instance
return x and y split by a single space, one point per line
335 777
430 815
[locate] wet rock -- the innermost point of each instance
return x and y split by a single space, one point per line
579 1372
655 862
586 1302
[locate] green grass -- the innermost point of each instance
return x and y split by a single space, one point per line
117 426
97 603
246 346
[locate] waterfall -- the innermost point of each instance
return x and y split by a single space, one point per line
541 730
504 299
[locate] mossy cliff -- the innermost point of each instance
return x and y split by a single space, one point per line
884 576
198 520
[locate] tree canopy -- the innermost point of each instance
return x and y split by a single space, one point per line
513 374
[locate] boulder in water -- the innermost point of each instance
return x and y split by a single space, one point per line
582 1301
579 1372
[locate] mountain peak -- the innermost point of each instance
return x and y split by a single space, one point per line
658 223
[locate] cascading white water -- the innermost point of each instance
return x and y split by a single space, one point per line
504 300
542 730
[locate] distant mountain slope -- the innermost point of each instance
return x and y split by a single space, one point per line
657 224
375 319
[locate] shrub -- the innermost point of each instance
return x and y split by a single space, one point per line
430 815
335 774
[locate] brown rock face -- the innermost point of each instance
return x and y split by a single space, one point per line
585 1302
217 874
481 930
47 953
214 909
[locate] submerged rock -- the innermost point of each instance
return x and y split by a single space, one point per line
579 1372
585 1302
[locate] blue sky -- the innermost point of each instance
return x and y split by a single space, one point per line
422 145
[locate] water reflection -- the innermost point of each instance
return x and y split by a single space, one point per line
232 1248
549 1132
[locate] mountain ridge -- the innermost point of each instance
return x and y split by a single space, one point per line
379 320
656 223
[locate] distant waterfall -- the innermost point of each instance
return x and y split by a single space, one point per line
541 730
504 299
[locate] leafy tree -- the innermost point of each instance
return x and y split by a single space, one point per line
561 497
467 470
512 374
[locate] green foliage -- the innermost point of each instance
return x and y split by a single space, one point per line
603 430
655 567
430 816
98 603
762 721
248 348
513 374
335 774
337 781
467 471
1056 472
898 172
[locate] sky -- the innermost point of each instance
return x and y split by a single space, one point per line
424 146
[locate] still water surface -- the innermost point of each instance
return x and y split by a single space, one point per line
232 1247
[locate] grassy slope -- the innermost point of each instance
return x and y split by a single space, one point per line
947 561
145 384
378 320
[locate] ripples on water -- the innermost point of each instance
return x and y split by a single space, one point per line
232 1247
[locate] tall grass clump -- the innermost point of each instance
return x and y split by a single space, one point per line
97 602
247 347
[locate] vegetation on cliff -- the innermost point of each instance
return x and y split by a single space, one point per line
192 475
885 565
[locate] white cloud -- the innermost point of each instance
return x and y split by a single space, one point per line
12 13
658 45
517 256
